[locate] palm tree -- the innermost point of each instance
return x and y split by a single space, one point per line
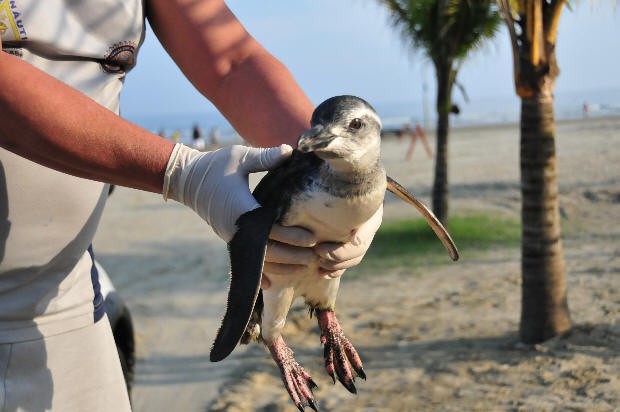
532 25
447 31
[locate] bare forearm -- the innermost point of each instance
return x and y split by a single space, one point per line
256 93
59 127
265 122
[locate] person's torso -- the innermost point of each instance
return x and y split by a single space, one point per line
47 218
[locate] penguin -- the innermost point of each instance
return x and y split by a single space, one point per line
333 182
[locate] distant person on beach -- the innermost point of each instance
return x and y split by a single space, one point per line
62 143
198 142
586 110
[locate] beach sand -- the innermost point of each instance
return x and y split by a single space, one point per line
444 339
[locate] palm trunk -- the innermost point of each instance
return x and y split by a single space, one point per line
440 184
544 311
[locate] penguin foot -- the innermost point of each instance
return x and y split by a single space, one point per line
296 380
341 358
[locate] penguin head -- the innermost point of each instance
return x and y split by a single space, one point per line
344 128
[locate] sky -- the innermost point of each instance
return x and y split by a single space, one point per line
349 47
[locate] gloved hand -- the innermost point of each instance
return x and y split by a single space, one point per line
335 258
292 249
215 184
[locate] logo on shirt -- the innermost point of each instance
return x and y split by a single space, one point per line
11 23
120 57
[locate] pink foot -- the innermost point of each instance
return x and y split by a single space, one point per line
296 380
341 358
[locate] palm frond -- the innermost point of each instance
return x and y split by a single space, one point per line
444 29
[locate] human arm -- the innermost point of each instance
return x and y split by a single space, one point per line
86 140
249 86
50 123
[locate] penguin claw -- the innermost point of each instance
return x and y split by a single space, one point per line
311 404
360 372
333 377
341 358
349 385
312 384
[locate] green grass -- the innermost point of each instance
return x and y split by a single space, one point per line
408 246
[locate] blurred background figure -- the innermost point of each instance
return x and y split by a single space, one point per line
586 110
197 140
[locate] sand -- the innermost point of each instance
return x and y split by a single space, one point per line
444 339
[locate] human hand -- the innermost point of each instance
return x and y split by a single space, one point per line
335 258
215 184
292 249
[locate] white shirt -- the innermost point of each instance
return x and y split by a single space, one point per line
48 219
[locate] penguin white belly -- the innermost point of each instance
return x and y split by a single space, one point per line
331 219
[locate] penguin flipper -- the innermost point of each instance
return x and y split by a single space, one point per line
441 232
247 254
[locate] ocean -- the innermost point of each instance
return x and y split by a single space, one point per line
476 112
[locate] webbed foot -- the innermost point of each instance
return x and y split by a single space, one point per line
341 358
296 380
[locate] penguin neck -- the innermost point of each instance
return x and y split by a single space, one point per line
351 160
353 176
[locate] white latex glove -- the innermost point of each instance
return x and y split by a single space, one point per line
335 258
215 184
292 249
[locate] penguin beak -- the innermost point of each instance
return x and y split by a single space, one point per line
315 138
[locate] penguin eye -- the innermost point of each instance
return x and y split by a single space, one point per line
356 124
